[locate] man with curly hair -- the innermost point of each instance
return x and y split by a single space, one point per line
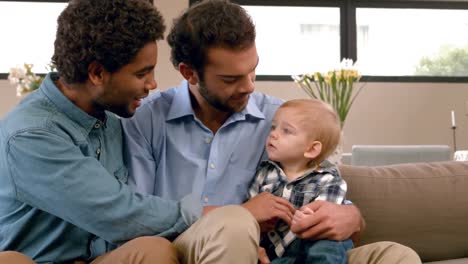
206 135
63 191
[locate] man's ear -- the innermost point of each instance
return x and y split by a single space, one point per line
313 150
189 74
96 73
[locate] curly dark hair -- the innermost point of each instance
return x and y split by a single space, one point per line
207 24
110 32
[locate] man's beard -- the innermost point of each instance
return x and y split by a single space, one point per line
215 102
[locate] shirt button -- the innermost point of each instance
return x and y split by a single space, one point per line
98 151
97 125
206 199
212 166
207 140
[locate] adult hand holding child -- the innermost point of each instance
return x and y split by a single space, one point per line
266 207
327 222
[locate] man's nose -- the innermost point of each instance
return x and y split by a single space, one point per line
249 85
151 83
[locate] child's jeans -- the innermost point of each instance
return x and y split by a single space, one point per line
313 252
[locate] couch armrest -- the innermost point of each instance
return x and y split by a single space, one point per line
421 205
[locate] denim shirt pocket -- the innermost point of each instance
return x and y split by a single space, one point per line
122 174
305 193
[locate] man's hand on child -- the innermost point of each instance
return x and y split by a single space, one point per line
268 225
266 206
328 221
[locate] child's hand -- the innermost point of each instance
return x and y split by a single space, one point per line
300 214
266 206
306 210
262 256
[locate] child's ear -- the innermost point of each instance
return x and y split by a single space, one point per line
313 150
188 73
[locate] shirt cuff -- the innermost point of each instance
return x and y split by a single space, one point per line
191 209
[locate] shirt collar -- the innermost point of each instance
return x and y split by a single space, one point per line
64 104
182 106
311 171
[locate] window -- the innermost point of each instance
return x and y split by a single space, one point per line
434 44
28 33
293 42
408 41
29 38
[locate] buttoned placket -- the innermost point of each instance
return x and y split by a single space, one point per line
97 131
212 166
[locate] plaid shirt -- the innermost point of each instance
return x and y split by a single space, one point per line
321 184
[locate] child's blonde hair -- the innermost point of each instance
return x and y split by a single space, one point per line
321 123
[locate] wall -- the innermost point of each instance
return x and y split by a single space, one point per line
398 113
384 113
8 97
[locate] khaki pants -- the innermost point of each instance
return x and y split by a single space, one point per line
142 250
229 234
383 253
12 257
226 235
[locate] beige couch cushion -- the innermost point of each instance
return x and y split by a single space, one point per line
421 205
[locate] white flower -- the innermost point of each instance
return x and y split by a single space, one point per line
16 74
26 80
297 78
20 90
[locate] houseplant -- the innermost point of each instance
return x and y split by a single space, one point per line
338 87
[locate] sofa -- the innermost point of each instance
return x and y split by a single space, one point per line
421 205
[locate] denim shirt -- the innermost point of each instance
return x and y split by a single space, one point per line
63 191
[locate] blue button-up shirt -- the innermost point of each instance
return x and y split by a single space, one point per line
63 189
172 153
